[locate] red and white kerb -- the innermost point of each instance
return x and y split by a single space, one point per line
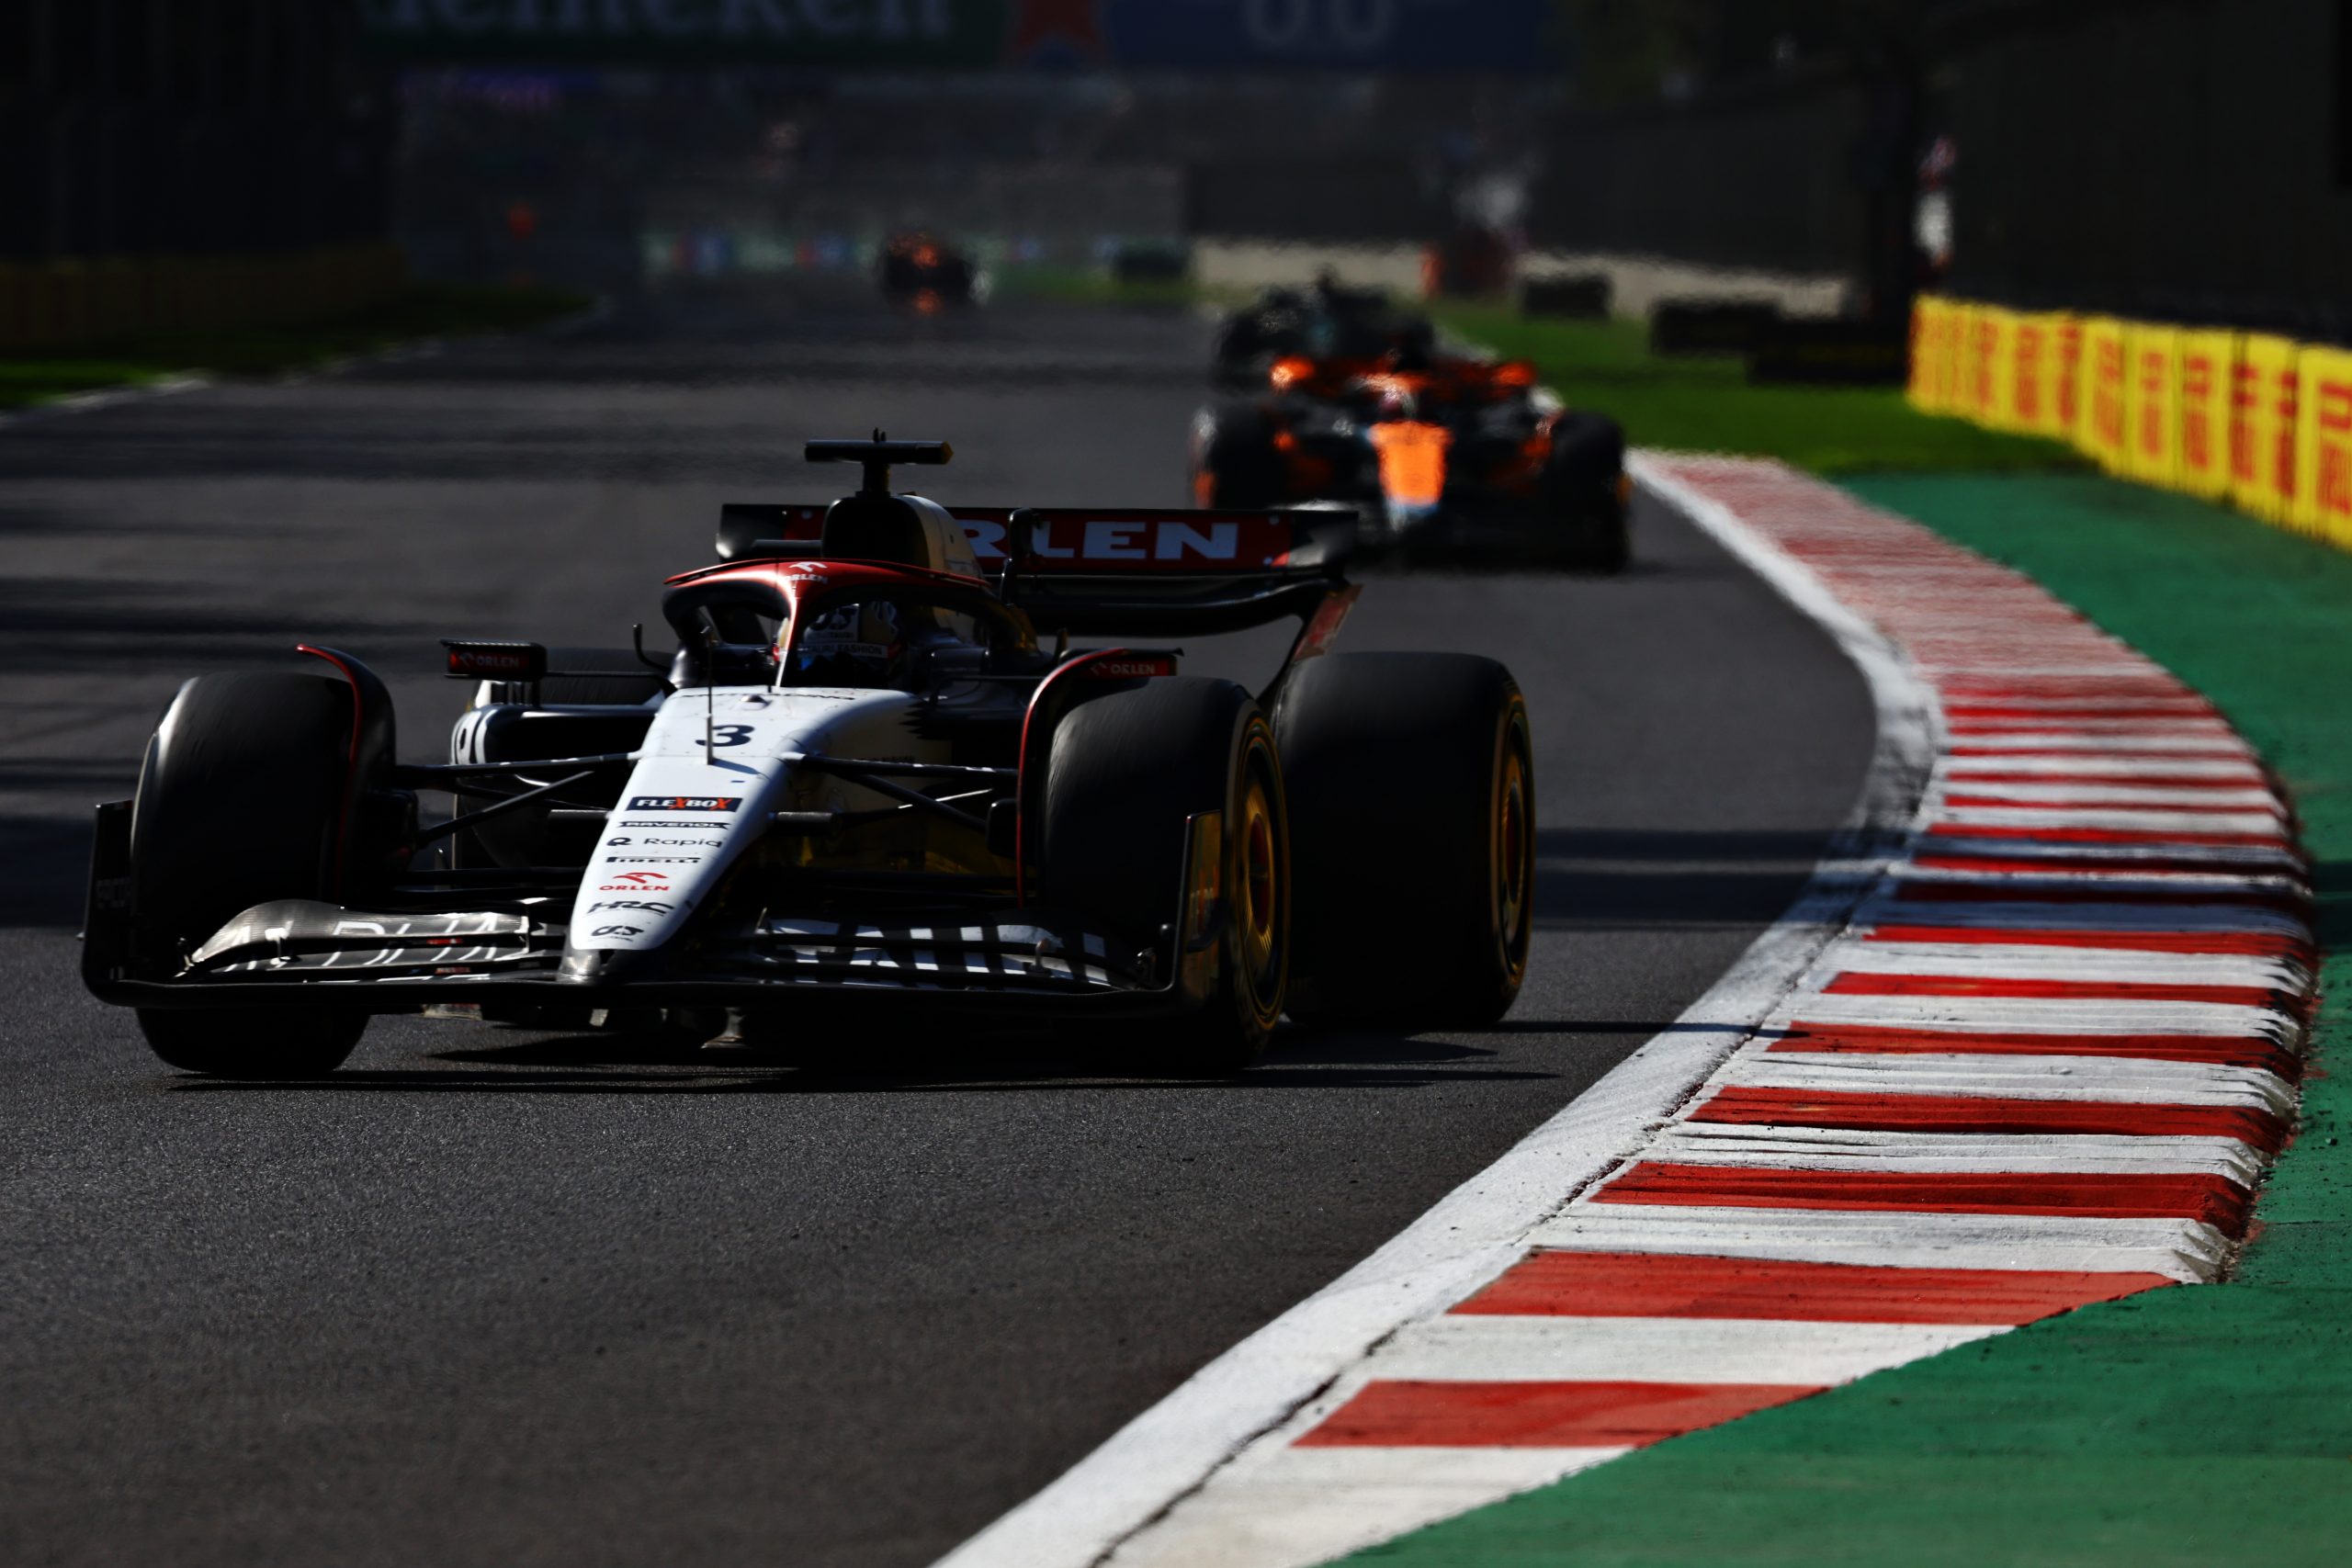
2043 1066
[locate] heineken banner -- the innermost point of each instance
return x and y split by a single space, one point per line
1394 36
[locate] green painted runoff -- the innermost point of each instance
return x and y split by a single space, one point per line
2189 1425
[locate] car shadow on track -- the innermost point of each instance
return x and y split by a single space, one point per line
1621 879
573 1064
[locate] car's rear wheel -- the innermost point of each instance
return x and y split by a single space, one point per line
1584 494
1126 772
240 803
1412 777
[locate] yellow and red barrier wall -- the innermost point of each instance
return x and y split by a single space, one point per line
56 304
2263 422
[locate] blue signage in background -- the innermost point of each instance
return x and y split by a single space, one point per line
1371 36
1388 37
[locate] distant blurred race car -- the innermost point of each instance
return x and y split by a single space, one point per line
1327 319
923 274
1472 261
862 792
1441 452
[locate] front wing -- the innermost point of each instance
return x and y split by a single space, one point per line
308 953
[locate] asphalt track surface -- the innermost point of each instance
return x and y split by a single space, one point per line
495 1297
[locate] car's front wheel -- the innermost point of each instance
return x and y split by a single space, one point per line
253 1042
1128 772
240 803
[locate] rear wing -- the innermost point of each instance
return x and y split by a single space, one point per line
1118 570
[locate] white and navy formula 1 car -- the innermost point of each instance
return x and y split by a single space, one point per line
861 785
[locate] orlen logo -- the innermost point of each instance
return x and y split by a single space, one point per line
495 661
638 882
484 660
1139 541
684 803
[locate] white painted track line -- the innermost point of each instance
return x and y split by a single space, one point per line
1822 1148
2123 964
2052 1016
1656 1349
2120 1080
2184 1249
1290 1507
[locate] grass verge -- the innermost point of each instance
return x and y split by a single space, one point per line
425 311
2184 1427
1706 404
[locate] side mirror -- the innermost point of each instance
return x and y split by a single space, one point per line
1021 536
1021 529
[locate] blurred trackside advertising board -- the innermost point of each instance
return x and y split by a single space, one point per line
1389 36
2263 422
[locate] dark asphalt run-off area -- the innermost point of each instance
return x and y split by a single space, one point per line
491 1296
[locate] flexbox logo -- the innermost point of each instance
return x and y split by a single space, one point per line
686 803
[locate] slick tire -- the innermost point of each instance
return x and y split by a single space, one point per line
1125 772
1234 461
253 1042
1581 495
1411 782
240 802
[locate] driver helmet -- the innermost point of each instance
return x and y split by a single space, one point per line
856 644
1396 402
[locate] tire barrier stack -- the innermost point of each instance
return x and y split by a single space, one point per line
2260 422
59 304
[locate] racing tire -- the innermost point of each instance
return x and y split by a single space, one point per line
1126 773
253 1042
1414 897
240 802
1234 461
1583 494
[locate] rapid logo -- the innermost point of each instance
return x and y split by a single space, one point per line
686 803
